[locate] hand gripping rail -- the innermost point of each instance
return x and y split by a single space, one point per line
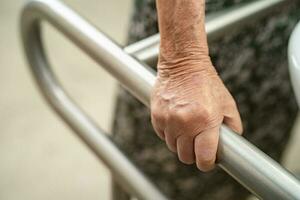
239 158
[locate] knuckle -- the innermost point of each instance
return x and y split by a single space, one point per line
208 116
157 114
179 115
195 114
204 114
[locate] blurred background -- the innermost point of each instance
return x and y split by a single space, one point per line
40 158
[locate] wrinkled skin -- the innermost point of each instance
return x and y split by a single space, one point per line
189 101
188 107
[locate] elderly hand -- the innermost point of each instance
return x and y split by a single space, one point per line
188 105
189 101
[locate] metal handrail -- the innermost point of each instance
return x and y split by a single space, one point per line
124 172
242 160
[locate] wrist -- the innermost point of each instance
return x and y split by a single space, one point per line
183 48
184 66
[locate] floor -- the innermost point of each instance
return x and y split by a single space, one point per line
40 158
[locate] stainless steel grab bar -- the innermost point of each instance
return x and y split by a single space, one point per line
247 164
66 20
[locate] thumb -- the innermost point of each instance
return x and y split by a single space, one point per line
233 121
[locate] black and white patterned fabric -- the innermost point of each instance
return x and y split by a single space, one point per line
253 65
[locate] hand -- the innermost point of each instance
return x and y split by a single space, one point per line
188 105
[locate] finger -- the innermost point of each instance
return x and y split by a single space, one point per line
158 123
172 132
159 131
171 141
233 121
206 144
185 149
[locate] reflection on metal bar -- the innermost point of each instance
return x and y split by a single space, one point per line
91 41
217 25
247 164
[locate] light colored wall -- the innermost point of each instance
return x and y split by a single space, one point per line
40 158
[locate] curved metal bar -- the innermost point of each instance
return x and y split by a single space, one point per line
217 25
294 60
91 41
242 160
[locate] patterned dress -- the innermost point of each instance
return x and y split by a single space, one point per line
253 65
